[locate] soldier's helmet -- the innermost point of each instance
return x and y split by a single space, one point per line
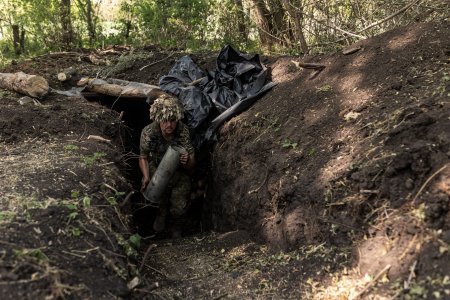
166 108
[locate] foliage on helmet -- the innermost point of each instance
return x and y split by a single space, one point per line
166 108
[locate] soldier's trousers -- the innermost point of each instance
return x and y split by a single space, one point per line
176 196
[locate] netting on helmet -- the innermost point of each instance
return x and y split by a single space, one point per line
166 108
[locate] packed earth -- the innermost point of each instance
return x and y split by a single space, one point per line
335 184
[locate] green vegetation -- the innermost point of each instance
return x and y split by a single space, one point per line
289 144
324 89
70 148
30 27
33 254
112 200
90 160
130 245
6 216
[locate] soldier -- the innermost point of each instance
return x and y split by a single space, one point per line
166 130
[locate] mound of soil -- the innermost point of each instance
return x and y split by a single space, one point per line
331 186
357 156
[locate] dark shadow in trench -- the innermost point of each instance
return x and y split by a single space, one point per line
135 115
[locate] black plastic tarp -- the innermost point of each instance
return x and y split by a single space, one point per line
220 94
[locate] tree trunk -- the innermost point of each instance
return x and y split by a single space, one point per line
16 38
90 22
278 17
66 25
31 85
297 17
241 21
87 12
22 40
260 15
121 88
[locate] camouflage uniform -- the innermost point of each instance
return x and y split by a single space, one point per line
154 146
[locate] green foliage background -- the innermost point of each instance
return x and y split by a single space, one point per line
204 24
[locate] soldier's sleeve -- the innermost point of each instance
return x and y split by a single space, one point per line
185 140
144 144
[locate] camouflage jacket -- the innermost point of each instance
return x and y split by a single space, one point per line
154 145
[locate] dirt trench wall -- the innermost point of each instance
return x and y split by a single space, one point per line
61 185
314 159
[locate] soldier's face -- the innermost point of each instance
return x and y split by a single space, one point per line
168 127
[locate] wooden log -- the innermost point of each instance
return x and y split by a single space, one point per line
316 67
351 50
31 85
66 74
303 65
121 88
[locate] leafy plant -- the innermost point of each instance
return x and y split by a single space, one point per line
6 215
86 202
73 215
135 240
30 254
312 151
126 245
90 160
75 231
112 200
70 148
324 89
289 144
74 194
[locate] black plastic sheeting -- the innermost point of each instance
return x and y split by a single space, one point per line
220 94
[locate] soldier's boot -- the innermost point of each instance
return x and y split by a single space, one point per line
176 229
160 221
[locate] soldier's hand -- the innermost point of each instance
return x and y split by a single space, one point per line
184 158
145 181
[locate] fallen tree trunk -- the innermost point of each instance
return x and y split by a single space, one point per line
121 88
31 85
66 74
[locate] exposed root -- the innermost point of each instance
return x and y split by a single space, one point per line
427 181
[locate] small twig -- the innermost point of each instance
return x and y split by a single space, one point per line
158 61
150 248
341 224
73 254
261 185
195 82
106 250
87 250
152 287
11 282
411 275
110 187
119 216
104 232
373 282
410 244
8 243
159 272
221 296
427 181
98 138
127 198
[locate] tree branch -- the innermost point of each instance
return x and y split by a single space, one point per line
373 24
389 17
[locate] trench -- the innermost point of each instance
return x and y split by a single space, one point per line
135 117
